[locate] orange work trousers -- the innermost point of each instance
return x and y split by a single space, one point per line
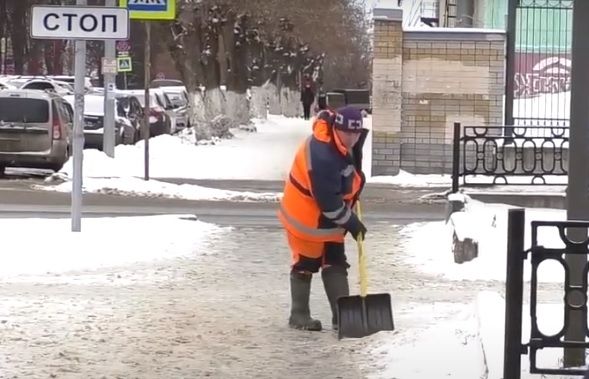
310 256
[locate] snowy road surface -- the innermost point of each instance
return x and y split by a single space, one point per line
219 311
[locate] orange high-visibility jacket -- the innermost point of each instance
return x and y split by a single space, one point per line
324 182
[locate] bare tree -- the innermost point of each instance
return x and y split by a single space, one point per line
252 44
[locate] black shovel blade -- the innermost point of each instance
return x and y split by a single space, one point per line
362 316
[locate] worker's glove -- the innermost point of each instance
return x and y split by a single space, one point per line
356 228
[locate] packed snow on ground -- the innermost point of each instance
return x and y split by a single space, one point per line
473 340
450 348
469 344
103 242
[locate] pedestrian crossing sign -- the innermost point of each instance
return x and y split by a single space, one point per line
150 9
124 64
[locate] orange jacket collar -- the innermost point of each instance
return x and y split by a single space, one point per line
325 133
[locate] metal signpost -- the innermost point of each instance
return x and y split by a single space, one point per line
108 142
124 61
80 23
149 10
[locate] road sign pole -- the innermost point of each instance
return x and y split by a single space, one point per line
79 23
78 148
147 74
146 11
108 142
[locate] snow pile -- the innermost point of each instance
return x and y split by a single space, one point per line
486 224
265 155
158 189
104 242
406 179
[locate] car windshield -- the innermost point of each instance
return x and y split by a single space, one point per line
24 110
93 105
153 100
177 98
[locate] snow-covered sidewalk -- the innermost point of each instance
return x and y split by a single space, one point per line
32 247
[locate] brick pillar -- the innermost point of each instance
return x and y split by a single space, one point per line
387 72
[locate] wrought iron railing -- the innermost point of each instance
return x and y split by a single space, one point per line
575 293
483 155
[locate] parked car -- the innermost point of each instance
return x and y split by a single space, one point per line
157 83
179 101
38 83
35 129
335 100
160 122
127 120
71 80
358 98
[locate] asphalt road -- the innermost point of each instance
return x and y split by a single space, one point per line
381 203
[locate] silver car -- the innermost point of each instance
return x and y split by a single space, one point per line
35 129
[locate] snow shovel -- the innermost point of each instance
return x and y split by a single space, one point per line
361 316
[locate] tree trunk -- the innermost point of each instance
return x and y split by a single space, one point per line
185 48
49 52
235 48
36 58
259 103
273 95
19 34
4 34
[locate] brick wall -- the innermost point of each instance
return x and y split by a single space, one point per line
387 96
445 76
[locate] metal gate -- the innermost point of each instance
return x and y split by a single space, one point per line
539 35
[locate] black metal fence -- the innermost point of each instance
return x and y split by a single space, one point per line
575 294
482 155
539 37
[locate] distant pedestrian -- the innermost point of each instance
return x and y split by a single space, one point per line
307 98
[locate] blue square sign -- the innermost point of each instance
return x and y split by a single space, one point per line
150 9
148 5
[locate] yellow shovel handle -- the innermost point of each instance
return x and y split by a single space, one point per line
361 258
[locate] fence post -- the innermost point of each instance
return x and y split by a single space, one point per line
456 157
514 286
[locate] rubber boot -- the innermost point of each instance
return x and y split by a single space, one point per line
335 281
300 315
